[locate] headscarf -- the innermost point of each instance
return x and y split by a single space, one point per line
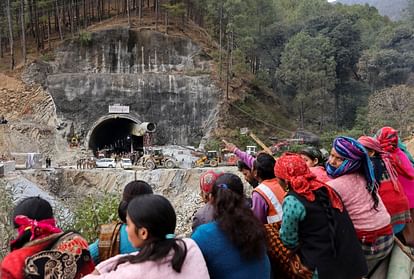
293 169
403 147
388 138
355 156
372 143
208 179
38 229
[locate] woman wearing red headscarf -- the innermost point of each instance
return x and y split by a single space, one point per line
390 189
316 223
388 138
41 249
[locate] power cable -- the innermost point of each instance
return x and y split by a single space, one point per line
260 120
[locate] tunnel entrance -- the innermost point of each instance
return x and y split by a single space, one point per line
114 136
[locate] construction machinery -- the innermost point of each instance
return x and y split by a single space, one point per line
157 159
245 131
208 159
213 158
251 150
299 137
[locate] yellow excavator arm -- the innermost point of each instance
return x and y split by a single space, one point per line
259 142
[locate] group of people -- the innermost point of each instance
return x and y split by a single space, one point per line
86 163
3 120
339 219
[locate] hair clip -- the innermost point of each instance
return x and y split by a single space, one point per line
170 236
223 186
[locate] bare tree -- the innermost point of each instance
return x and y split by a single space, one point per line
392 107
1 44
140 4
221 40
22 21
128 14
157 9
12 62
59 21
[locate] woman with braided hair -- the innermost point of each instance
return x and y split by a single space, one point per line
233 244
316 224
354 180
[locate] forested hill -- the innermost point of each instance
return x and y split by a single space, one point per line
331 67
394 9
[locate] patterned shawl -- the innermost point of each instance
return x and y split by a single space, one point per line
355 157
386 157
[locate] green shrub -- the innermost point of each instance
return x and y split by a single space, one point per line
213 144
85 38
47 57
6 228
93 211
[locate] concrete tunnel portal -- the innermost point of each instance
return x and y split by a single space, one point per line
118 134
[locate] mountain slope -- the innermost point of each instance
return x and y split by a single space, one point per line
393 9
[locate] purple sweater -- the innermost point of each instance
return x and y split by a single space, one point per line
246 158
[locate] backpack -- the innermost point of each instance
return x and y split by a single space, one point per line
66 257
109 240
285 259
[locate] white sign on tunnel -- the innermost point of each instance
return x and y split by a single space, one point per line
118 109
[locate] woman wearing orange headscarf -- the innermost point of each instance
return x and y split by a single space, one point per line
316 223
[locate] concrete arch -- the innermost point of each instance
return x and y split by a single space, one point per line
113 130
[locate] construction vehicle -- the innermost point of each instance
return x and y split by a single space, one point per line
213 158
156 159
245 131
299 137
251 150
208 159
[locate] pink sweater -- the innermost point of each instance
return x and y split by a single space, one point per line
359 203
320 173
406 182
194 266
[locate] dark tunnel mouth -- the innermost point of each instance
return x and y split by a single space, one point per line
114 136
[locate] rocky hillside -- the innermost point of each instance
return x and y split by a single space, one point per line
31 115
180 186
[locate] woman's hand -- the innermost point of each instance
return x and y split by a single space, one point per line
229 146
